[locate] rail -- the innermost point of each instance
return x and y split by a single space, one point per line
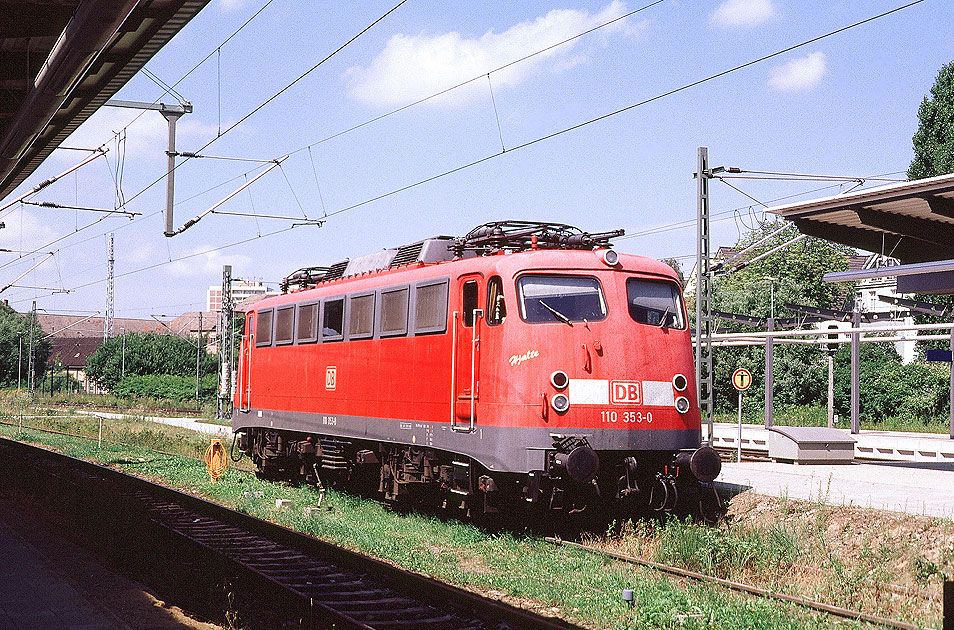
745 588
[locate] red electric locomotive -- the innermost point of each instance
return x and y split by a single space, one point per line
525 363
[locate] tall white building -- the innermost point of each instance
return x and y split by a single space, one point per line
241 290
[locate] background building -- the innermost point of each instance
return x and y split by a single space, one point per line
241 290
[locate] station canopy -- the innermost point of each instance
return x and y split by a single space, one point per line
912 221
60 60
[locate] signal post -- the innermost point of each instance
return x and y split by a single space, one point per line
741 380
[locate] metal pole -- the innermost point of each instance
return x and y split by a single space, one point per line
769 374
30 380
738 451
952 385
108 320
831 391
855 373
198 349
19 360
171 117
124 354
703 290
225 345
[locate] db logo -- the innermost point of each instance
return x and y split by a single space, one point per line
625 392
331 378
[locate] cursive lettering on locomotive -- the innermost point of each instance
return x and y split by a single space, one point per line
517 359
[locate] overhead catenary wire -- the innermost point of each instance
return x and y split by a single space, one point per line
275 95
622 110
99 152
479 77
607 115
203 60
779 174
326 58
186 257
50 204
305 74
420 101
579 125
10 284
199 217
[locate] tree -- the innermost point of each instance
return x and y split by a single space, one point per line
674 263
146 354
934 139
793 274
15 327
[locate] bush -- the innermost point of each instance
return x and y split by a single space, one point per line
890 389
166 387
143 354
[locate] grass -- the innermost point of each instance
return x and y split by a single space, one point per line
881 563
805 548
527 571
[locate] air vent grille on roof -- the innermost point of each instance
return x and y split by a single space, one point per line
408 254
336 270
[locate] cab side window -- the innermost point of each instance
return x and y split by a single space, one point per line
469 302
496 306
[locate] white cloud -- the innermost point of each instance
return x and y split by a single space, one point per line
803 73
232 5
204 264
744 13
415 66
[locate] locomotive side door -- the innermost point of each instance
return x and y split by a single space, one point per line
466 355
244 384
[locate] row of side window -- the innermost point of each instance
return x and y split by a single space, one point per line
418 308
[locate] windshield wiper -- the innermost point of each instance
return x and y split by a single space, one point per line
662 320
560 316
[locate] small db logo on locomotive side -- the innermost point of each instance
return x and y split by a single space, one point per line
331 378
624 392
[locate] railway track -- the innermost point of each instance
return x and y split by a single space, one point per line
226 565
835 611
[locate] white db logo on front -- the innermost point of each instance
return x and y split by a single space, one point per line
625 392
331 378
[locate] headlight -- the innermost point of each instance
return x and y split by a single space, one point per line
680 382
682 404
560 403
610 257
559 379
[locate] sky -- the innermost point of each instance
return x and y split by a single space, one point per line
507 144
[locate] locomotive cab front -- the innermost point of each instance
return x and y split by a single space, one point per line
594 371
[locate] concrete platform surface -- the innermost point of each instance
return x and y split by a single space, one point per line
913 487
48 583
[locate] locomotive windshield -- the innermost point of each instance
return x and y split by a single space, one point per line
564 299
654 302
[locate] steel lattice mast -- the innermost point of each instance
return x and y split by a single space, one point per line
108 331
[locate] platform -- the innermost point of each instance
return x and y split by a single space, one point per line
914 488
46 582
869 445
